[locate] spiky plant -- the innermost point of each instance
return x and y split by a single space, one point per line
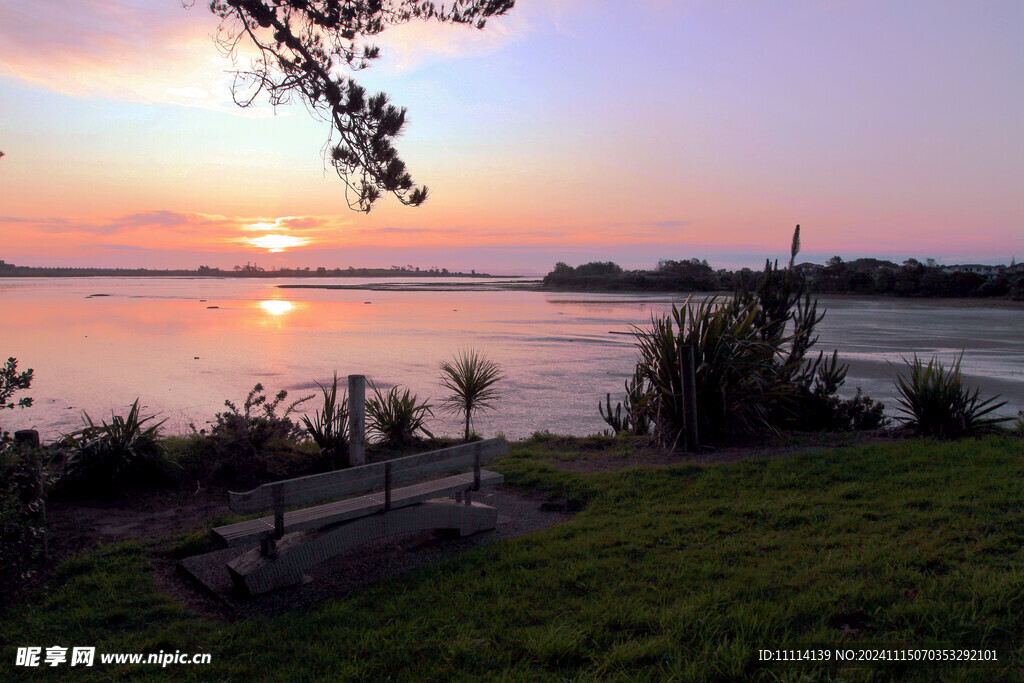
937 403
736 372
470 377
109 457
395 417
327 427
637 417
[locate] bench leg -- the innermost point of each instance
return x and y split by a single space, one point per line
254 573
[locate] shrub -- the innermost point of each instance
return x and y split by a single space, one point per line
831 413
396 418
244 440
328 426
11 381
24 484
858 413
937 403
470 378
107 458
814 405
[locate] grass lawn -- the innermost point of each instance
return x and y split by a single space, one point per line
678 573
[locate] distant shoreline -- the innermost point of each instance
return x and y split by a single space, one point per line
953 300
214 273
961 302
530 285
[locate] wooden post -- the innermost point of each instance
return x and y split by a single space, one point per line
27 437
476 467
688 372
356 420
268 542
278 511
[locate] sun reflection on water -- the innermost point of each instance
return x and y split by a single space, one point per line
277 306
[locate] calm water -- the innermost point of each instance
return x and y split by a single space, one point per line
157 338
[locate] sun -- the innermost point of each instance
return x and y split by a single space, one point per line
277 243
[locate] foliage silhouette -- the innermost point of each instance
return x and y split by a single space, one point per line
12 381
307 50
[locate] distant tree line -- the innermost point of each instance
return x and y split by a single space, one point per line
861 276
913 279
248 270
669 276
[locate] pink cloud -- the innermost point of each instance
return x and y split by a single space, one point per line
137 51
302 222
158 51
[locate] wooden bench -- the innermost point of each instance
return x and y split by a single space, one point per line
292 542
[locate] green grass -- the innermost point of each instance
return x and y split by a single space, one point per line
676 573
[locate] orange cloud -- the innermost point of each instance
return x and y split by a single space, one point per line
213 233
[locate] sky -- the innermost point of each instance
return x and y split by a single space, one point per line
569 130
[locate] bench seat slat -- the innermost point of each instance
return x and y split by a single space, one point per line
331 513
426 470
311 489
317 488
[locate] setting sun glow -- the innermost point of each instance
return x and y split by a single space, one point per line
277 243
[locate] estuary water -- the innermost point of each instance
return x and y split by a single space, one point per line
184 345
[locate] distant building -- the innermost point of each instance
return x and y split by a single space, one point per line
976 268
808 270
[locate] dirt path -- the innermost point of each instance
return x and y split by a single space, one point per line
81 525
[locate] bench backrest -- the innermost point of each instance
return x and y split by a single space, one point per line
355 481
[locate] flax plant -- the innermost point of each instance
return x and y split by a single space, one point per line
395 417
108 457
327 427
470 377
937 403
736 371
